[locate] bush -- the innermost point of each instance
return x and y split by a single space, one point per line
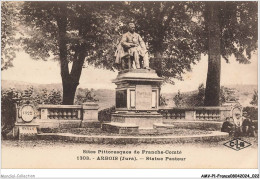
83 95
8 110
105 114
163 101
45 97
253 114
179 99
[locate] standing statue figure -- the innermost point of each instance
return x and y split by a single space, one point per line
132 48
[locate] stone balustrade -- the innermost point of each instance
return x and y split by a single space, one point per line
172 113
62 112
196 113
67 116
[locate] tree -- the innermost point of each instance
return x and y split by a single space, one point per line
231 29
77 32
71 32
9 42
170 31
178 32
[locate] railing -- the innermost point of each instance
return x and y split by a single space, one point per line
86 111
173 113
196 113
64 112
208 114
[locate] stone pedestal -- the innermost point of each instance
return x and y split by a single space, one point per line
141 119
137 98
25 131
26 124
90 115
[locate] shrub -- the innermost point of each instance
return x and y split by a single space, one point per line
105 114
163 101
83 95
8 110
201 95
253 114
179 99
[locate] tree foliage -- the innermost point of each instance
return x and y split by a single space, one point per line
9 40
170 30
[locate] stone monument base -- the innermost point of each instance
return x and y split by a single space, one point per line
25 131
130 128
120 128
142 119
137 123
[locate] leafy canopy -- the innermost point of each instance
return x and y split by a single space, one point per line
92 27
9 27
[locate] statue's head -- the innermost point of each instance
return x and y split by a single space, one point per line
131 27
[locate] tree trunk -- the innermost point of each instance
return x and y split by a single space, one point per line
71 81
212 92
70 87
69 90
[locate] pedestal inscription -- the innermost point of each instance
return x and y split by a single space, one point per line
121 99
27 132
143 97
27 113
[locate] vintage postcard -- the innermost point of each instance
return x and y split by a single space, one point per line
129 85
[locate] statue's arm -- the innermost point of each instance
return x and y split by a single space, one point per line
124 42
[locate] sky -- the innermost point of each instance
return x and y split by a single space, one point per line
46 72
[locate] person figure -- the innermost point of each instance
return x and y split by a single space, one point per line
133 45
248 127
228 127
238 125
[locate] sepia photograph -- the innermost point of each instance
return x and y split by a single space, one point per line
129 85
